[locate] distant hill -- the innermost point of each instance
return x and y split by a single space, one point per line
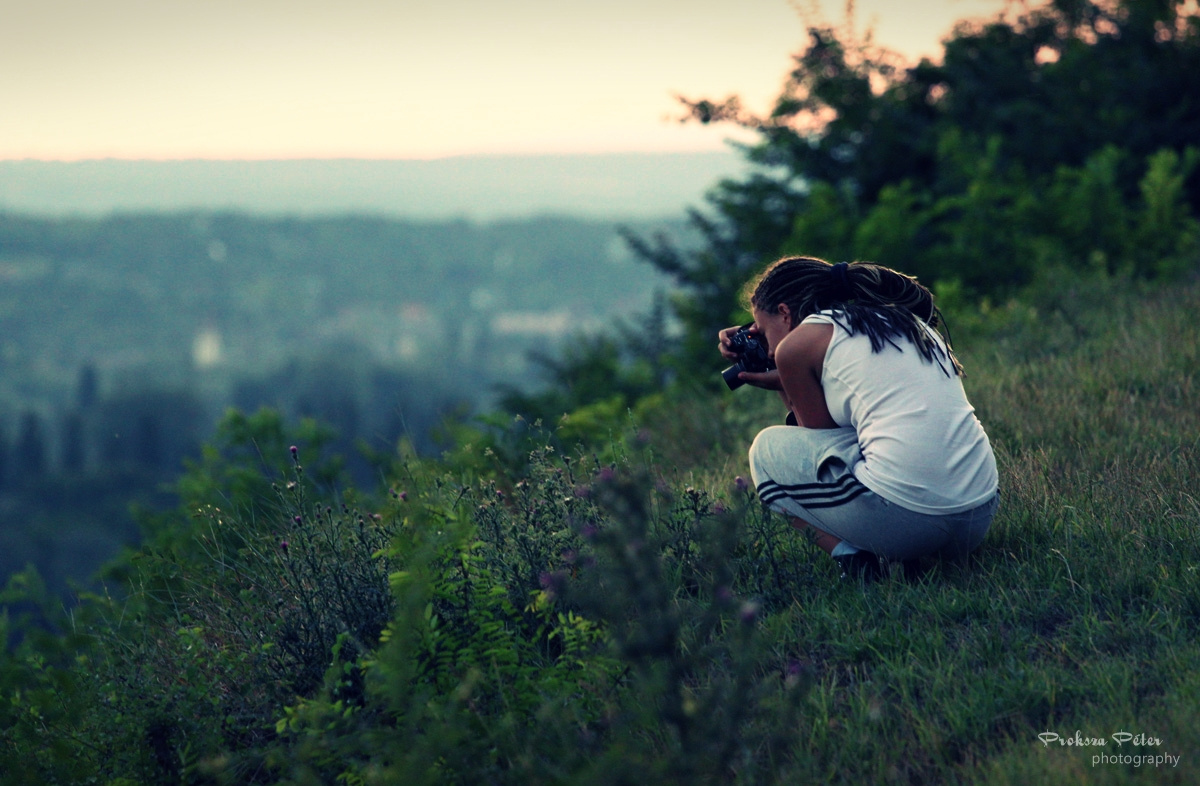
483 188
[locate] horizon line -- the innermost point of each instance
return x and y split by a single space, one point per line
730 147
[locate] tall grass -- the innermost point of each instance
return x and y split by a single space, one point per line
1079 612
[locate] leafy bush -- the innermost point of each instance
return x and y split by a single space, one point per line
581 627
1056 135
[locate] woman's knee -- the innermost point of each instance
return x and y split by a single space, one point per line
764 453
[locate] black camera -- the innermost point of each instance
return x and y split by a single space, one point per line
752 357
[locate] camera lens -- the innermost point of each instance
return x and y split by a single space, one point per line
730 375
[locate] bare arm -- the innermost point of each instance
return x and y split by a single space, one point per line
800 358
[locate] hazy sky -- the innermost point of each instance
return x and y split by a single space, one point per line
403 78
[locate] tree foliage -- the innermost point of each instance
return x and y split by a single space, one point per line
1059 135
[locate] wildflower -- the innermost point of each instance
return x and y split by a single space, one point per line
607 474
283 545
740 483
295 450
794 674
719 508
297 519
552 583
748 613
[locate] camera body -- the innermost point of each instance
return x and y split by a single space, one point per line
752 357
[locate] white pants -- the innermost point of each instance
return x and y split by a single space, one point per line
807 473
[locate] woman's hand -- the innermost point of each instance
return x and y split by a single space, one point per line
724 345
767 380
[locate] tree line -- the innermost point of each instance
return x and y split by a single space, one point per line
1058 138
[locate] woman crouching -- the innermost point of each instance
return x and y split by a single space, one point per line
883 458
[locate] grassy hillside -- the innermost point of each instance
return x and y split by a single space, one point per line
529 610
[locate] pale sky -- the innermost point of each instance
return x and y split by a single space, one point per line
269 79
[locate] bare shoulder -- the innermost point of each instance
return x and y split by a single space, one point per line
805 346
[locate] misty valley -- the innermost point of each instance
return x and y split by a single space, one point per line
123 340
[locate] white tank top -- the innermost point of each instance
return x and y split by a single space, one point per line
922 446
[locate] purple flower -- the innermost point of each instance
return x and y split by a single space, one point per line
294 450
740 483
552 583
297 519
793 674
283 544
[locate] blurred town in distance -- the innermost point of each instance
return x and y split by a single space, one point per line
126 337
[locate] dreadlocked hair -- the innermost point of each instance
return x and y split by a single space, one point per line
866 298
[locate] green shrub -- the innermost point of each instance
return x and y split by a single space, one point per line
584 626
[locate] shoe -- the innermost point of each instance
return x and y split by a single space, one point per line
861 565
